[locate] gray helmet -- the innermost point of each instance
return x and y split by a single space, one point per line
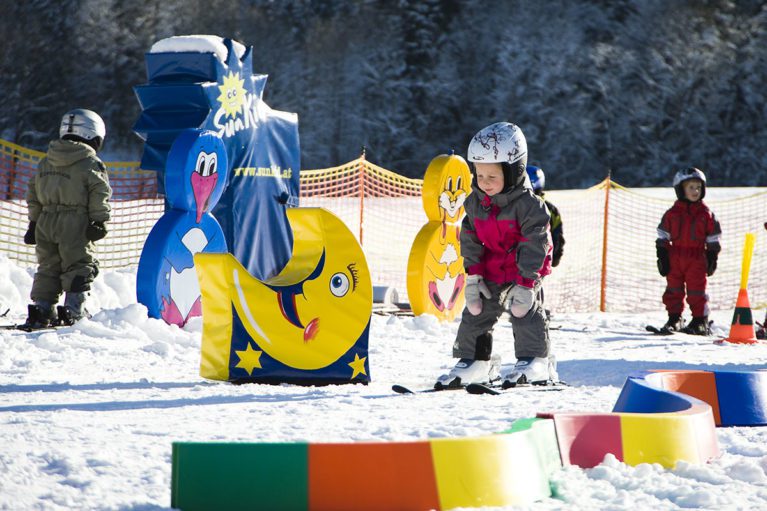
82 123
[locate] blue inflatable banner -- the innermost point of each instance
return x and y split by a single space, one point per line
208 83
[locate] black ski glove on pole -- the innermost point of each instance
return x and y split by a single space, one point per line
663 263
95 231
29 236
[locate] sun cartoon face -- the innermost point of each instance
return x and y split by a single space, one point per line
446 185
314 310
232 95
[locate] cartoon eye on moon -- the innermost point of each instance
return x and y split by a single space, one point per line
315 309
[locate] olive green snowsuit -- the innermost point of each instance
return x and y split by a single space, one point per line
70 190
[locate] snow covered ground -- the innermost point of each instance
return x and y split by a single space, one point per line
88 413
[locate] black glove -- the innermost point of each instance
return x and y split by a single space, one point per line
556 257
29 236
663 264
95 231
711 257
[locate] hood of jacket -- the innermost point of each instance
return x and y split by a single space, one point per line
62 153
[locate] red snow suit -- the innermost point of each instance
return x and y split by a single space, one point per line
687 230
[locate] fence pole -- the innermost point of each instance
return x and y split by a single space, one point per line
362 191
603 283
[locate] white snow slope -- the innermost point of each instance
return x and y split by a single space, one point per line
88 413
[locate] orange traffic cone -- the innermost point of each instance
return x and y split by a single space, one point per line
742 329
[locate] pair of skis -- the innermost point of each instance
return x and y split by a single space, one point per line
665 331
493 389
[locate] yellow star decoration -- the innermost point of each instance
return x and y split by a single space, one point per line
249 359
232 95
358 366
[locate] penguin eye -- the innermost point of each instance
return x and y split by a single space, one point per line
212 164
200 166
339 284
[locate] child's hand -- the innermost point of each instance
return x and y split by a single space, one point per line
663 262
475 290
522 299
711 257
29 236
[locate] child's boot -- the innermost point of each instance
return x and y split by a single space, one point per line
537 370
468 371
675 323
698 326
72 310
40 315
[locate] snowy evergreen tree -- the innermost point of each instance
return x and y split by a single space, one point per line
638 89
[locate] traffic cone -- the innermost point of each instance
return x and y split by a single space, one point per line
742 329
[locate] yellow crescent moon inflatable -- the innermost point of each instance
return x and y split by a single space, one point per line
435 273
308 324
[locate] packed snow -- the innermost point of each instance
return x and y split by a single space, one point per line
88 413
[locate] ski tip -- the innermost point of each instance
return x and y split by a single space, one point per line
400 389
480 388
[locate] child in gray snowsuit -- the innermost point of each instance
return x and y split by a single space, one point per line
506 246
68 207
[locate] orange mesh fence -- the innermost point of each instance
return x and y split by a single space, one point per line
609 255
382 208
135 208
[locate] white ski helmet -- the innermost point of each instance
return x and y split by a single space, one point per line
685 175
82 123
504 143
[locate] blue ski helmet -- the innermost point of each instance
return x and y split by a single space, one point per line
537 177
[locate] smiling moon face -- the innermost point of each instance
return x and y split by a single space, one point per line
316 308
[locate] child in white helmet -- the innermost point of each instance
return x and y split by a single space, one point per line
506 246
68 207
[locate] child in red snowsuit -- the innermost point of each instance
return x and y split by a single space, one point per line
687 249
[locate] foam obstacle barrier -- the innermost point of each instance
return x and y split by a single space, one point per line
440 473
308 324
660 417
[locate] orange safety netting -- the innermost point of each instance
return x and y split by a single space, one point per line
609 256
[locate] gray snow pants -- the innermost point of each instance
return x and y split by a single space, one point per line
475 333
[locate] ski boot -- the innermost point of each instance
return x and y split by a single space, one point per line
698 326
72 311
675 323
468 371
40 315
533 370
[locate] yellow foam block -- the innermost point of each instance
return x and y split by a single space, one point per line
213 271
663 438
500 470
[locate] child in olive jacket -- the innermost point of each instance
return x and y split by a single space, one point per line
68 207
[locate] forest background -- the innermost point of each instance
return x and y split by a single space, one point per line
636 88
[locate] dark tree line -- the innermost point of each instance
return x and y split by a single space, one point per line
639 88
